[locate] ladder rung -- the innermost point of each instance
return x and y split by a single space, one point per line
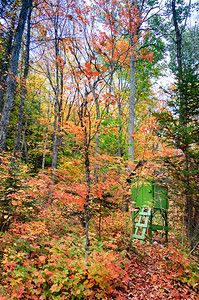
145 213
141 225
140 237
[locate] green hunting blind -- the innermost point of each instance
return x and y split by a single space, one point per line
150 195
151 199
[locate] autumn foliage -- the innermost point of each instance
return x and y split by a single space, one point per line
83 125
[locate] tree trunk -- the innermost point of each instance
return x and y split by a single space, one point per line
189 204
55 140
97 140
178 39
88 181
120 131
23 87
26 153
131 108
11 80
4 70
110 84
46 140
178 43
44 151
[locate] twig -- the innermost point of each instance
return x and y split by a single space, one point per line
193 249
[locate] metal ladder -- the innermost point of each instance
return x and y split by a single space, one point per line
143 222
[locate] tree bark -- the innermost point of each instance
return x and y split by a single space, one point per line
4 70
11 80
55 140
87 139
178 43
87 206
189 204
178 39
88 182
23 87
132 33
97 139
131 107
120 130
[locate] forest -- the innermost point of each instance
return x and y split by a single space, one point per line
99 149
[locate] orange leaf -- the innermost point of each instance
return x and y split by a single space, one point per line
42 258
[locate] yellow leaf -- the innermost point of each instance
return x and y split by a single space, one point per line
53 287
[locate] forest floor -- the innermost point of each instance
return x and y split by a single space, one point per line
44 259
160 274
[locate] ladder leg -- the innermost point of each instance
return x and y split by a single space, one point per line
150 228
166 225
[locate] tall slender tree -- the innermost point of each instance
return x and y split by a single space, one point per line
11 79
23 86
7 50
